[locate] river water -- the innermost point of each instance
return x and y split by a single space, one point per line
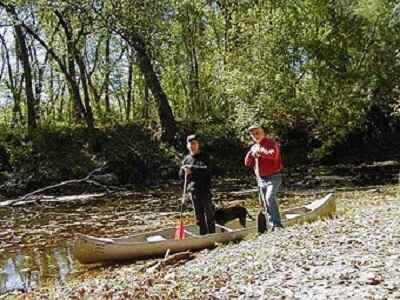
26 270
35 239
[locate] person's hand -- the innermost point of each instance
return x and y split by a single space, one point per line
270 152
255 150
187 170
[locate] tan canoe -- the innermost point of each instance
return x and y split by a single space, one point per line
88 249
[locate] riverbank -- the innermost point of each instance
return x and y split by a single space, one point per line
353 256
132 157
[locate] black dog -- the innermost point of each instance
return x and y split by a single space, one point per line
224 215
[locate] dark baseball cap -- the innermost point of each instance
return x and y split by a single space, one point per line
192 137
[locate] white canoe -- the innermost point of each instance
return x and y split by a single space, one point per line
89 249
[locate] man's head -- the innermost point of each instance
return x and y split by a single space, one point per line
193 144
256 132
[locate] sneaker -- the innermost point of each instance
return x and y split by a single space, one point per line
277 227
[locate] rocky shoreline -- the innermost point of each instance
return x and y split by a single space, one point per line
354 256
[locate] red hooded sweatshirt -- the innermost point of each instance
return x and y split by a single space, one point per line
269 161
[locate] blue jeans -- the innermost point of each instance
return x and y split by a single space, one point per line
269 187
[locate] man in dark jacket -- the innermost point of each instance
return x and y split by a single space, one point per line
197 169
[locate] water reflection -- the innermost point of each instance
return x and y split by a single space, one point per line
31 269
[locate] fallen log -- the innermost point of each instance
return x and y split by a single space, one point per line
88 180
171 260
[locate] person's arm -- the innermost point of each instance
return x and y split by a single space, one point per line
269 151
249 160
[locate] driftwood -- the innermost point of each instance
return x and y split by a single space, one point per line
88 180
171 260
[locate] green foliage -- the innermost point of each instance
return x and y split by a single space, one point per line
53 154
312 66
319 68
132 154
226 150
57 154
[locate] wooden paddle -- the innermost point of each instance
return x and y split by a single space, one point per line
180 230
262 218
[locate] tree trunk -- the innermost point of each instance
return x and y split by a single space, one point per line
107 77
89 113
60 114
74 56
68 68
196 83
30 99
38 72
130 95
120 107
51 93
164 109
145 107
12 84
75 95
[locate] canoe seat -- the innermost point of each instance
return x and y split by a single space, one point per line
291 216
319 202
155 238
223 227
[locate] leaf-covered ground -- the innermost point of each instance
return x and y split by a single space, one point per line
354 256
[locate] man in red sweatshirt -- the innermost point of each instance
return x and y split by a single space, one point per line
265 158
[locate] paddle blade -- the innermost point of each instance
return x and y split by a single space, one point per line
261 222
180 231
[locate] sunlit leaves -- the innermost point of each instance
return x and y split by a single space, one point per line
317 67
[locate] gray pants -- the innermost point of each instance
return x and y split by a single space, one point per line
269 187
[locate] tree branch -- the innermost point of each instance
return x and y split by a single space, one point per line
87 179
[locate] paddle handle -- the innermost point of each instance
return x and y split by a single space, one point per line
257 168
183 194
261 201
184 188
257 172
257 165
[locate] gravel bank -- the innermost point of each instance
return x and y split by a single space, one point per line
355 256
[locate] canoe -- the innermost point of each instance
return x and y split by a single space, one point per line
89 249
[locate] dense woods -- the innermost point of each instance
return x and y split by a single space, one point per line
323 72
